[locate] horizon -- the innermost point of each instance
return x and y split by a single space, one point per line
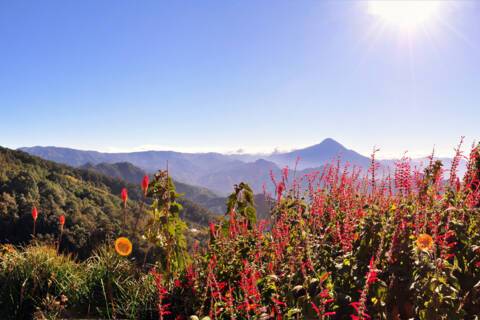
118 76
465 149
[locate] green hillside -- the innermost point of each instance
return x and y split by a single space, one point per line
89 201
130 173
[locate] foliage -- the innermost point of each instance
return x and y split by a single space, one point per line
406 248
348 246
242 202
164 227
89 201
37 280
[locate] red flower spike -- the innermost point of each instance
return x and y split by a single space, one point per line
61 220
145 182
34 213
124 195
316 309
280 188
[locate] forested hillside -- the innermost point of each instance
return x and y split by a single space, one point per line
133 174
90 202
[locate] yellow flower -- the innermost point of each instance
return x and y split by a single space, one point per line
123 246
424 242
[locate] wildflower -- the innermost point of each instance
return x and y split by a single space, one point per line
177 283
145 185
34 213
212 230
123 246
355 236
324 276
372 274
34 216
424 242
280 188
162 293
124 195
61 220
316 309
279 302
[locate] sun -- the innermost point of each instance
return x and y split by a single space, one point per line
406 15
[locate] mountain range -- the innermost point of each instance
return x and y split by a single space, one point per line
215 171
219 172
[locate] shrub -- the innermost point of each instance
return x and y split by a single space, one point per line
36 279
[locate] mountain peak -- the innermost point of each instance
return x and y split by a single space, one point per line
327 146
330 141
319 154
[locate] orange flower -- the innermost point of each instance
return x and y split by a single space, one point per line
424 242
355 236
123 246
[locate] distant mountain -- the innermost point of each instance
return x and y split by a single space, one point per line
421 163
214 171
133 174
256 174
185 167
320 154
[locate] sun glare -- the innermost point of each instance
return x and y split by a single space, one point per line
405 14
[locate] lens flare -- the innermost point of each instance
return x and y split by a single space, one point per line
405 14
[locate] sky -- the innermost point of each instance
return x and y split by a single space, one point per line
237 75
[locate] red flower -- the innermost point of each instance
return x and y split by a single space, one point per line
124 196
355 305
316 309
212 230
61 220
177 283
34 213
145 185
372 274
279 303
280 188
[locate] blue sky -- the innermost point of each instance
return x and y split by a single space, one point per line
224 75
